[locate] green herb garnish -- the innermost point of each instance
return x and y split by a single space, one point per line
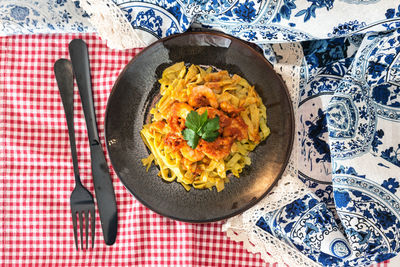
199 126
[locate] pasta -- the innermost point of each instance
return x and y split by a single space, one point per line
217 99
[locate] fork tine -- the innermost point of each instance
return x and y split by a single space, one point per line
81 228
75 228
92 225
87 227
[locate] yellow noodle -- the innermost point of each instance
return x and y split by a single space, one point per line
176 85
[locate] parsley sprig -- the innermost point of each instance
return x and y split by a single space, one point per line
199 126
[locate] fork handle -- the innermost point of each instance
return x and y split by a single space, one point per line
65 82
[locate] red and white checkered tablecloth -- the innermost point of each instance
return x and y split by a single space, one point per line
37 173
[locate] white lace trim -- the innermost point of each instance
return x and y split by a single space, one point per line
112 25
242 228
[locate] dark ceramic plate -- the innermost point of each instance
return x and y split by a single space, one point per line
137 90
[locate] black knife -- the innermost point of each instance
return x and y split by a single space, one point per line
103 186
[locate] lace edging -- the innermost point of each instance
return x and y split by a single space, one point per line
112 25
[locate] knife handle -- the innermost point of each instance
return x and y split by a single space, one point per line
80 61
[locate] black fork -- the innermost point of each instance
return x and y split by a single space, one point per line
81 200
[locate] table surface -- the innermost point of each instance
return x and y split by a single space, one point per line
37 173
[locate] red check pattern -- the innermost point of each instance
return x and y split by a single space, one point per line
37 173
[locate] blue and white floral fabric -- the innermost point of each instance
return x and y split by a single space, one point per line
349 106
264 21
350 154
40 16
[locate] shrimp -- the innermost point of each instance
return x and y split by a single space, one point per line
159 126
224 120
191 154
202 96
237 129
177 117
174 141
218 149
229 108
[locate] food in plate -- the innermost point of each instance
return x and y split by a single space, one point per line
204 126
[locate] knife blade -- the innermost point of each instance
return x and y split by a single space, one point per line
104 190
